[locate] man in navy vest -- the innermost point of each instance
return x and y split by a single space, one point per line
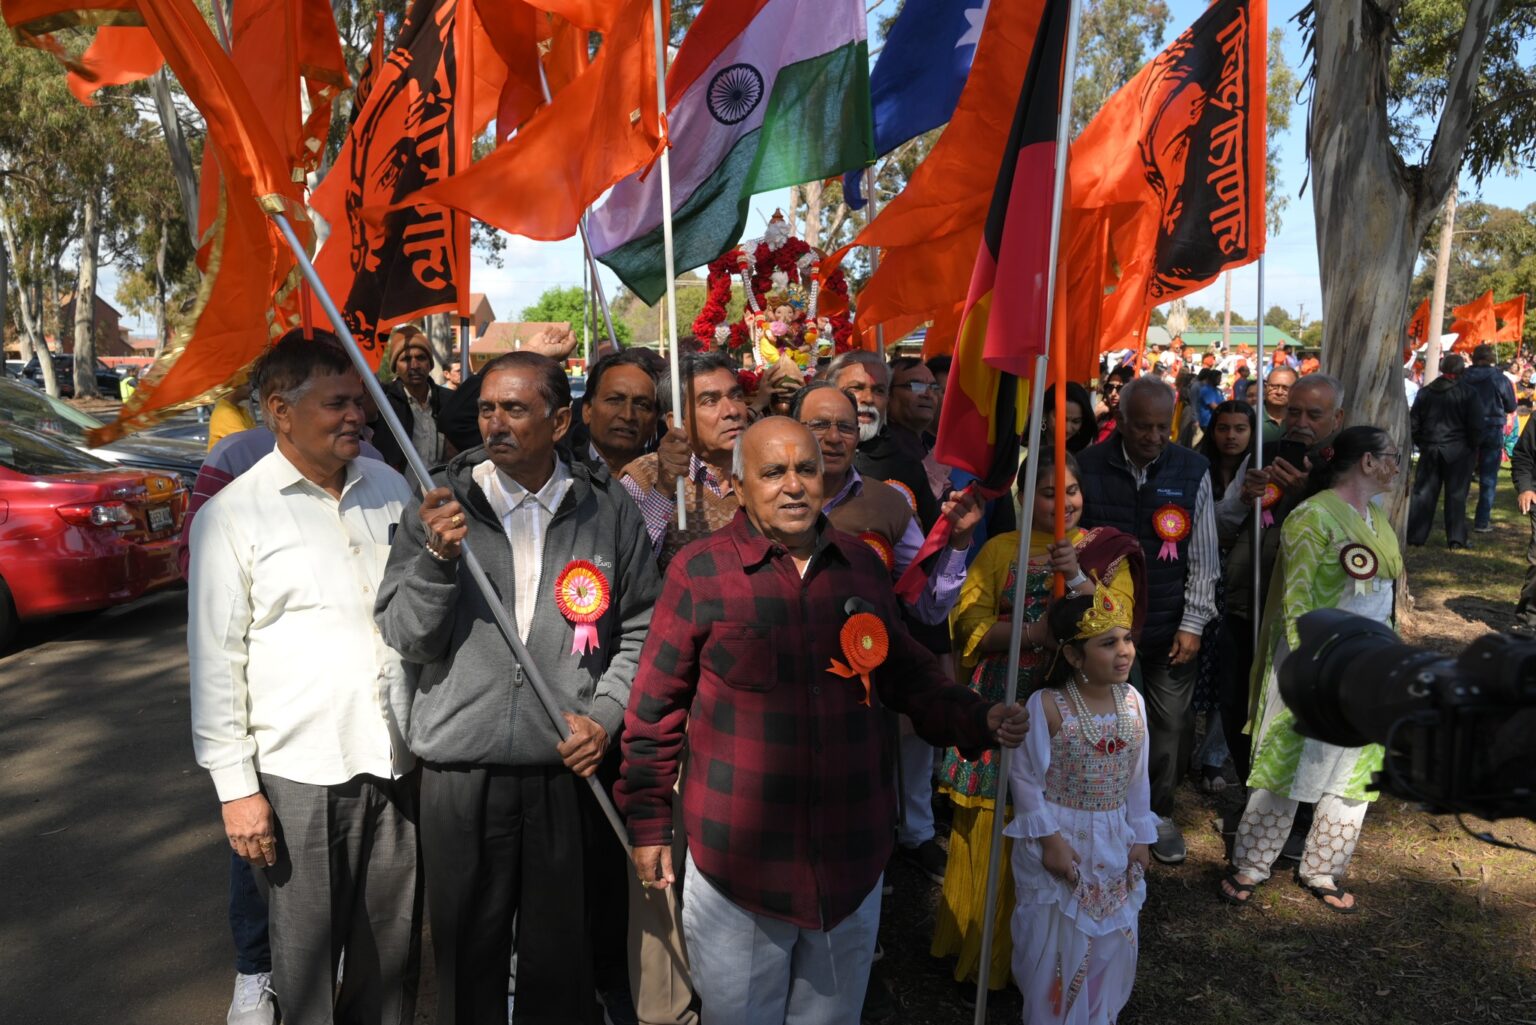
1136 481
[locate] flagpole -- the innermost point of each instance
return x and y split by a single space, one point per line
874 251
666 243
418 467
464 343
1027 506
586 245
1258 463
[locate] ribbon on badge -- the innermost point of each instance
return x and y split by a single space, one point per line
582 595
865 644
1172 525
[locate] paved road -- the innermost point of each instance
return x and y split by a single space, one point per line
113 867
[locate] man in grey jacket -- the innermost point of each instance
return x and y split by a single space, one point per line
502 797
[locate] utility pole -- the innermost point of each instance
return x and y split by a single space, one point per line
1437 297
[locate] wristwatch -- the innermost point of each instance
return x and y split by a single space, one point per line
1075 583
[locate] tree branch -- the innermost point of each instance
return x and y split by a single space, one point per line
1455 125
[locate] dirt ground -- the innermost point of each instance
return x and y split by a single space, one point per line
1447 927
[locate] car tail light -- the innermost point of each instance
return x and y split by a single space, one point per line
104 514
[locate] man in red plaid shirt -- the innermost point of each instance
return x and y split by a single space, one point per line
759 656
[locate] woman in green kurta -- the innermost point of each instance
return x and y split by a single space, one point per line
1337 551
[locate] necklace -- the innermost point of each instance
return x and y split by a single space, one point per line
1092 729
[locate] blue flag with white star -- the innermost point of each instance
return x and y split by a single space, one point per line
917 80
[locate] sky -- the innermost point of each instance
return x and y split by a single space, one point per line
1290 266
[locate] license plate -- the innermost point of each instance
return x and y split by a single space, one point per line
159 518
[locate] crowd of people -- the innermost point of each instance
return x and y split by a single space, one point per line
708 597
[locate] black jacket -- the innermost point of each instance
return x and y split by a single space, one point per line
896 454
384 441
1522 462
1446 416
1495 395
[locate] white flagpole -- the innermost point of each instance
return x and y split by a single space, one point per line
1258 463
1027 506
666 242
419 469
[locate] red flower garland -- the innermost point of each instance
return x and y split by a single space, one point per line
787 259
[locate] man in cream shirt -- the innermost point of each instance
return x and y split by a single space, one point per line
291 694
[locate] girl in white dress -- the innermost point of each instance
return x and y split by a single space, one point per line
1082 821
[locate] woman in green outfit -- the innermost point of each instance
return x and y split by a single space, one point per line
1337 551
981 622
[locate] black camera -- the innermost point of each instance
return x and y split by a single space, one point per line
1459 733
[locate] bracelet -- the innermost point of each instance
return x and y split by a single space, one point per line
436 554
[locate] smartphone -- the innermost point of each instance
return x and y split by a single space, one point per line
1293 452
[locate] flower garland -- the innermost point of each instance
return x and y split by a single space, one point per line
709 329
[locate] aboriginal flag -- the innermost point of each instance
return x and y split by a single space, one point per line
413 129
1002 326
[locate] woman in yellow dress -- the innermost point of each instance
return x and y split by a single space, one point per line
981 622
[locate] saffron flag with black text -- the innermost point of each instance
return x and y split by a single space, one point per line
413 130
1003 323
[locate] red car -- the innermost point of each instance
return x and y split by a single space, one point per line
77 533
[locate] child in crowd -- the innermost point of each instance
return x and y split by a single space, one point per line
1082 821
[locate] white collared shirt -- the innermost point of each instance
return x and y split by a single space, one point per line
425 438
289 673
525 517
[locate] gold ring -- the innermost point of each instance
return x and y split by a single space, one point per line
458 519
265 845
645 883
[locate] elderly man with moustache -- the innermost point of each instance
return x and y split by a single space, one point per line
1160 493
697 451
502 795
292 688
774 643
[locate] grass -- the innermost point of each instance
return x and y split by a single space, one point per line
1447 927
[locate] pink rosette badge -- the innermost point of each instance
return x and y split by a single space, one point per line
1271 499
1172 524
1360 564
582 595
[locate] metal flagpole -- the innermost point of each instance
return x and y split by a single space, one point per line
1027 506
874 251
586 246
666 242
423 476
1258 462
464 342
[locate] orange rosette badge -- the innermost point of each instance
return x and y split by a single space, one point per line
882 548
1172 524
905 492
582 595
1272 495
865 644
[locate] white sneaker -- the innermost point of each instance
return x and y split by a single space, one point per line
253 1003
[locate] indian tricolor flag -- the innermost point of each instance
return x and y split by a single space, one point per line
1002 328
763 94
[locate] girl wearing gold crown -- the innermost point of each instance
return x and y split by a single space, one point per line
1082 820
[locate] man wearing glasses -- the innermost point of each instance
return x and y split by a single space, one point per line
1277 396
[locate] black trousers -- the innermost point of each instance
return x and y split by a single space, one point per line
1526 609
1235 659
503 843
1447 469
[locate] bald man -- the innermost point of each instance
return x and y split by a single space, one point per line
788 812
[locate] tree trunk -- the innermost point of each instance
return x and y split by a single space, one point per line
85 301
28 322
813 192
162 313
176 144
439 330
1437 298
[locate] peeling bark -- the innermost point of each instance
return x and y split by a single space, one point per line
85 300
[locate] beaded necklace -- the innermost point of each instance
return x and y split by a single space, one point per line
1092 729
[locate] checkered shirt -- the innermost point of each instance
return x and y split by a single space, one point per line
788 802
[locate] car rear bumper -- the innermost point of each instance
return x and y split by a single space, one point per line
47 578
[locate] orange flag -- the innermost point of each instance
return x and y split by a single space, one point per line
1511 314
1474 323
931 232
248 265
1418 330
602 127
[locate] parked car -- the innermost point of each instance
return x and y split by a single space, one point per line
38 411
77 533
107 381
14 367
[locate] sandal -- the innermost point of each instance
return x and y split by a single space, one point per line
1243 892
1322 893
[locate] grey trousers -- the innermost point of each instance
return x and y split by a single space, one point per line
753 969
346 878
1168 690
